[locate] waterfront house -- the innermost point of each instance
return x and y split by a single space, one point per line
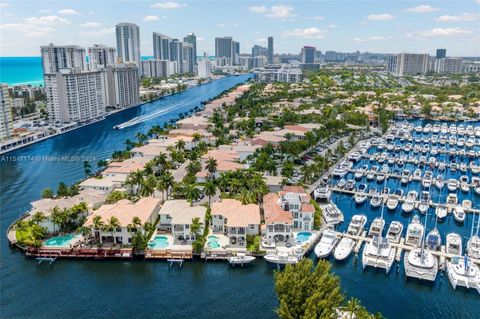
193 123
146 209
236 221
104 185
278 222
122 169
176 218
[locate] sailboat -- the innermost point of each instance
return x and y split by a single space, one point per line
420 263
434 240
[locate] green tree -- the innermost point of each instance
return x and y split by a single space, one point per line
211 165
38 217
47 193
196 226
112 224
62 189
87 168
115 196
192 193
210 190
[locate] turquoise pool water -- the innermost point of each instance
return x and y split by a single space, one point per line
213 242
59 241
303 236
159 242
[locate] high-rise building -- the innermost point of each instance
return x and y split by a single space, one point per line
225 49
99 56
441 53
204 68
192 39
158 68
128 42
122 85
176 54
258 50
55 58
6 117
392 64
75 96
412 64
161 46
188 58
449 65
251 62
270 50
308 54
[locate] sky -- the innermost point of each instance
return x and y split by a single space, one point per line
388 26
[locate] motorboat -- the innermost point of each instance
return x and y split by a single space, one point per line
341 183
360 172
420 264
356 225
344 248
322 193
454 244
394 232
441 212
439 182
361 196
392 201
474 167
427 179
452 199
372 172
417 175
376 200
378 253
467 204
459 214
240 259
424 204
433 240
281 258
350 184
376 228
409 203
463 166
463 272
381 177
328 241
405 178
415 232
464 186
332 214
473 247
452 184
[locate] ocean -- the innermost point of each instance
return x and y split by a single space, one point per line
21 70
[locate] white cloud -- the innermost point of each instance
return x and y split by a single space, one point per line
47 20
68 12
439 32
380 17
279 11
90 25
460 17
307 33
372 38
168 5
98 33
422 9
29 30
151 18
3 4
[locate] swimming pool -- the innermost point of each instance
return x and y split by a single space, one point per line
303 236
213 242
158 242
60 241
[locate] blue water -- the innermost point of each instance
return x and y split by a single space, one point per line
131 289
59 241
213 242
21 70
159 242
303 236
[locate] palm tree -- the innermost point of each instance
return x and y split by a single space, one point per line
135 180
38 217
56 217
136 221
196 137
148 227
161 161
192 193
87 168
223 181
148 185
180 145
84 231
142 138
167 180
246 197
195 227
112 224
97 222
22 227
353 305
210 190
211 165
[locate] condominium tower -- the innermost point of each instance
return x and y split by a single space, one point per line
6 118
99 56
128 42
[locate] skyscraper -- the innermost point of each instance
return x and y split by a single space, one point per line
441 53
176 54
122 85
55 58
411 63
270 50
308 54
161 46
6 119
258 50
99 56
188 58
128 42
192 39
224 48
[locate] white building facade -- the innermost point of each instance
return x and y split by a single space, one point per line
99 56
6 117
122 85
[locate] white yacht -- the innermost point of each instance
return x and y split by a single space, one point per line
376 228
474 167
356 225
454 244
459 214
240 259
439 182
344 248
424 204
332 214
405 178
361 196
376 200
378 253
473 247
434 241
360 172
417 175
452 199
420 264
464 186
409 203
441 212
463 272
452 184
427 179
392 201
328 241
281 258
415 232
394 232
322 193
372 172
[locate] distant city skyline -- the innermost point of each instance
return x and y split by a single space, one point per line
347 26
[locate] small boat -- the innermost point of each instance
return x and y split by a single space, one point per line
381 177
454 244
420 264
394 232
344 248
376 200
441 212
356 225
463 272
474 167
350 184
341 183
473 247
376 228
459 214
281 258
427 179
409 203
434 241
463 166
424 204
452 185
328 241
372 172
464 186
452 199
361 196
467 204
322 193
360 172
240 259
378 253
392 201
332 214
439 181
414 232
405 178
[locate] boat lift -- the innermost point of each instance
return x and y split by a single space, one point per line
174 261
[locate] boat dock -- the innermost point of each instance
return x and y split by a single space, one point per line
168 254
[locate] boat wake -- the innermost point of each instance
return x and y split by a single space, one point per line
150 116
